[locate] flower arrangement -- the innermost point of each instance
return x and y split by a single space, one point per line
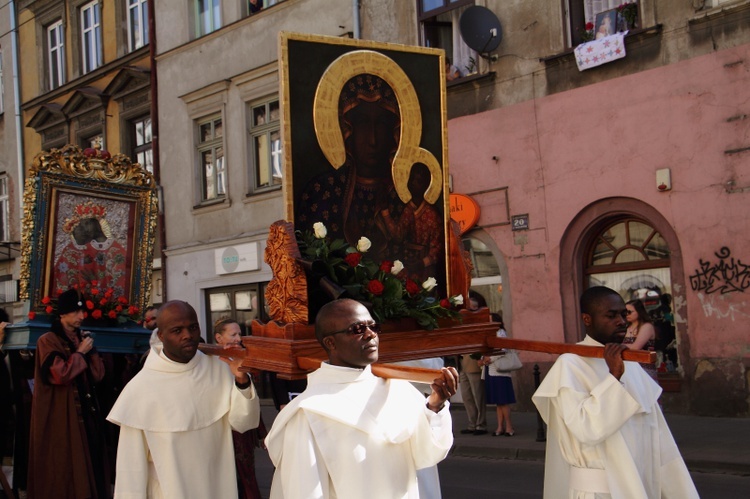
384 287
628 12
100 304
587 34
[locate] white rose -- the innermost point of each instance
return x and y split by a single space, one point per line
429 284
397 267
458 299
363 244
320 230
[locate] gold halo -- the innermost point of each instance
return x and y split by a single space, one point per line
328 130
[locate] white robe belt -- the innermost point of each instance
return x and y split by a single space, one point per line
589 480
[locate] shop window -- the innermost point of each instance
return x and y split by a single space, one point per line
632 257
486 281
439 25
265 145
242 303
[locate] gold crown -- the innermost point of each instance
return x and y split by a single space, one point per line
83 211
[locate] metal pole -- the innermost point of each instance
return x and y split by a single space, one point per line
540 434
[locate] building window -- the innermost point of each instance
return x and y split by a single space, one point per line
242 303
137 24
439 23
208 16
211 154
265 144
4 209
141 139
56 54
584 11
93 141
91 36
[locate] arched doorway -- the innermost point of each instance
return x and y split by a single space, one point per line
628 246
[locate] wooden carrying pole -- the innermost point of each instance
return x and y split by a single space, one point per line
423 375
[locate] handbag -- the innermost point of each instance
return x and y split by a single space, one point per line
510 361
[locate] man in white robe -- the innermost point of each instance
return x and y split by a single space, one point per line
176 417
350 434
607 436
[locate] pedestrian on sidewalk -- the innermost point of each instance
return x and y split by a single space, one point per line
607 436
471 384
499 387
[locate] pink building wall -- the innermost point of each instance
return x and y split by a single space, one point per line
560 153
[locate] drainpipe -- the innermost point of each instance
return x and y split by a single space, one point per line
17 110
155 147
355 19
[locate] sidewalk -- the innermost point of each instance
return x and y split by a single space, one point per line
707 444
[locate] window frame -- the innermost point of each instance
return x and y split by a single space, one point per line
95 32
56 53
4 208
147 147
575 18
211 145
213 10
266 129
141 6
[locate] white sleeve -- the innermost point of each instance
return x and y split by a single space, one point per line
433 438
593 417
244 409
132 465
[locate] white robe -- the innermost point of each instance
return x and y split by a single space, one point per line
597 422
350 434
175 429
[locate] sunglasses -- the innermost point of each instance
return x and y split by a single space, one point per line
358 328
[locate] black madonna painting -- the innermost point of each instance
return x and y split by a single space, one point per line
365 147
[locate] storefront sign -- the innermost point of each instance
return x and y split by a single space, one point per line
465 211
239 258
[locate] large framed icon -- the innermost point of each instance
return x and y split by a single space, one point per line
365 146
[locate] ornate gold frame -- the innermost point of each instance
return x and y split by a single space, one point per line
86 173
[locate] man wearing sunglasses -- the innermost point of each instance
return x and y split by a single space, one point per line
350 434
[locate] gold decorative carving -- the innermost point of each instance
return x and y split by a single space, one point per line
286 294
97 165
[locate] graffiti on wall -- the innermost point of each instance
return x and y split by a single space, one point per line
720 309
726 276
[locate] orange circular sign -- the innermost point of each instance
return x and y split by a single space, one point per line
465 211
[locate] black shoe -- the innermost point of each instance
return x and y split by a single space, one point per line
467 432
480 432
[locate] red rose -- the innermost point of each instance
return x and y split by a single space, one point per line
32 315
94 283
375 287
95 291
89 304
412 287
96 314
445 303
353 259
589 26
123 300
112 314
386 266
49 309
46 300
132 310
109 292
103 301
118 308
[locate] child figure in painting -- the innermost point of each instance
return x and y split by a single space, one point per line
420 228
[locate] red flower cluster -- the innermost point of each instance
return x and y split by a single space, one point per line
99 303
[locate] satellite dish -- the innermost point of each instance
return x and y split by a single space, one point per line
480 29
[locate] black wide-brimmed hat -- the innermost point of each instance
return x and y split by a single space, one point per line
70 301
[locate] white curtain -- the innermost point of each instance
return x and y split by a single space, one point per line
461 52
